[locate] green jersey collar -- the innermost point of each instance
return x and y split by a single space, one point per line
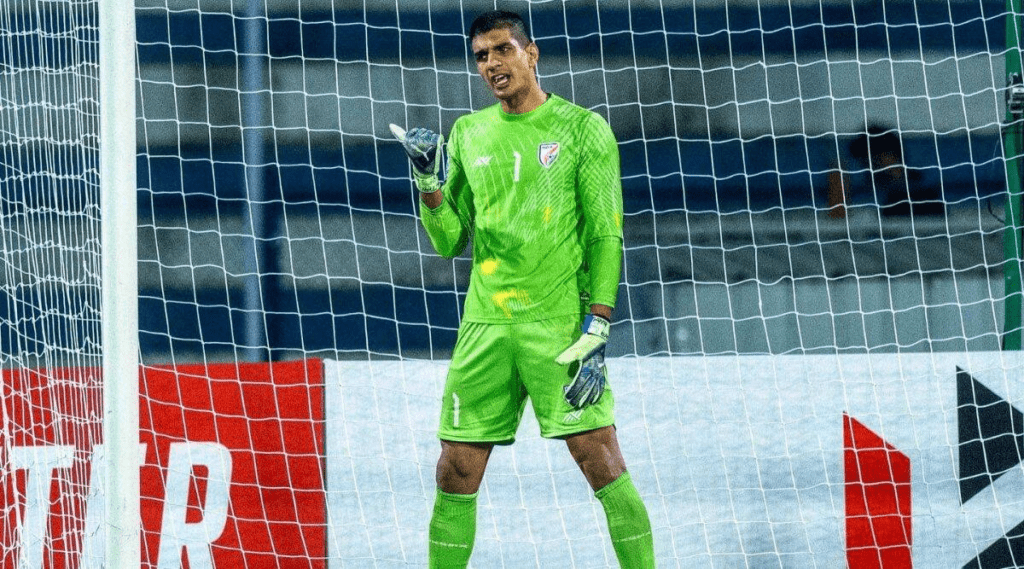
529 114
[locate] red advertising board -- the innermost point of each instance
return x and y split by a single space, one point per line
232 466
51 424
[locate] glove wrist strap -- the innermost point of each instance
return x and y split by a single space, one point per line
596 325
426 183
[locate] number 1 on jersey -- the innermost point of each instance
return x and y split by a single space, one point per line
515 171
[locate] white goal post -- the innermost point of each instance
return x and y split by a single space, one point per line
70 354
120 284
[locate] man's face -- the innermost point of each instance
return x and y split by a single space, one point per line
505 64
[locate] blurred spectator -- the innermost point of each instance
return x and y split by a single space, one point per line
839 190
897 190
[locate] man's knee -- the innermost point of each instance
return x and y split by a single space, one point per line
460 469
598 455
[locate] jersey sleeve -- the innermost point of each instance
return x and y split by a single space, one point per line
448 225
599 184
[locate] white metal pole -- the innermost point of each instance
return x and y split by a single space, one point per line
122 519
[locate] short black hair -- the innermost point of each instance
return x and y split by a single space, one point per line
496 19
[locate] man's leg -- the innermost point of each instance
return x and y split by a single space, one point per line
598 456
483 401
460 469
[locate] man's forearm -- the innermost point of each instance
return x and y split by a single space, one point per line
447 232
432 199
604 256
601 310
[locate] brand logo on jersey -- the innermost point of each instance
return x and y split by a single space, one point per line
482 161
573 417
547 153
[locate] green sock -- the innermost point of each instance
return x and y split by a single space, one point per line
628 523
452 530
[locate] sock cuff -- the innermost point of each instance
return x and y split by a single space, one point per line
624 479
461 498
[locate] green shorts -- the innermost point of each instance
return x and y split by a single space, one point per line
496 367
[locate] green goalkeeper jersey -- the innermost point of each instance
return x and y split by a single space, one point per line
541 195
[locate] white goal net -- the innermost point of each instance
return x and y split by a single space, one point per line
812 351
50 305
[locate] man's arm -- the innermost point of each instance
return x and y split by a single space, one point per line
601 310
447 213
432 199
604 260
600 189
446 223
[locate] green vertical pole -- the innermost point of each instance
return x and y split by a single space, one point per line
1012 142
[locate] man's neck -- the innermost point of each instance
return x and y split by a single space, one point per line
526 103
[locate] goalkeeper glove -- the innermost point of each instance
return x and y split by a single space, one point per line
424 150
588 372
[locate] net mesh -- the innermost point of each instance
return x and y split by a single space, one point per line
801 179
49 276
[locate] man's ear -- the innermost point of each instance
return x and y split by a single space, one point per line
534 52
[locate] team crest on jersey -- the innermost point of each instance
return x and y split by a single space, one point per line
547 153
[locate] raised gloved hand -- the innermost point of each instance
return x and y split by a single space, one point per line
424 149
588 371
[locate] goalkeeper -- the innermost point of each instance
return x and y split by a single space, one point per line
535 180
